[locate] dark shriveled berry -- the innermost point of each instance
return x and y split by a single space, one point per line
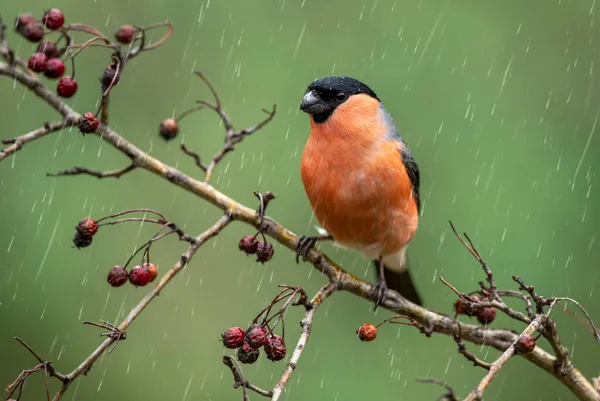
87 226
247 354
168 129
33 32
152 269
109 74
139 276
125 34
82 241
117 276
22 20
66 87
37 62
55 68
53 19
463 306
248 244
486 315
264 251
367 332
526 344
233 337
48 48
275 348
88 123
256 336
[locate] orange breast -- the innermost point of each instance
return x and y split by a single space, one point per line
357 185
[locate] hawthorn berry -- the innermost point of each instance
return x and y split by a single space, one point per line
233 337
88 123
125 34
152 269
66 87
463 306
87 227
22 20
247 354
33 31
248 244
117 276
275 348
48 47
54 68
37 62
139 276
53 19
264 251
526 344
168 129
367 332
486 315
256 336
109 74
82 241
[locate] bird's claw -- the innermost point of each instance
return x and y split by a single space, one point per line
304 245
378 292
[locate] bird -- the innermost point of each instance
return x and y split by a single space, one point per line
361 180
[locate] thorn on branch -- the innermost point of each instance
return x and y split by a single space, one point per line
95 173
114 333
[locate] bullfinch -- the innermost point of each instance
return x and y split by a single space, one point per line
361 180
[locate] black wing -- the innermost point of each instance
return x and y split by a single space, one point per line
412 169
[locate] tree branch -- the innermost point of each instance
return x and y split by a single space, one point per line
17 143
94 173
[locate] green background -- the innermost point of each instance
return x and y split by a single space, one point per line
497 100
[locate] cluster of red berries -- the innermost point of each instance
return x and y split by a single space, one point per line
464 306
138 276
46 59
249 342
250 245
84 232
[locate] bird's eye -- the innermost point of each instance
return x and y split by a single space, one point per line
340 97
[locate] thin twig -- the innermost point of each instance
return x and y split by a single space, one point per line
17 143
448 396
95 173
240 381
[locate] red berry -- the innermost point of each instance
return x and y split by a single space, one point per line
109 74
139 276
37 62
275 348
82 241
33 31
464 306
367 332
125 34
256 336
88 123
526 344
22 20
486 315
53 19
87 226
168 129
66 87
247 354
248 244
233 337
152 269
48 48
117 276
264 251
54 68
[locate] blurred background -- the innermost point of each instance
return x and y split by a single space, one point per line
497 100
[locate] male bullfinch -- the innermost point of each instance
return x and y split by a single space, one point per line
361 179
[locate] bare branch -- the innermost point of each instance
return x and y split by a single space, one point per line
195 156
99 174
306 325
240 381
448 396
17 143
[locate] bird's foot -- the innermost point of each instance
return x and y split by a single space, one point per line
306 243
378 292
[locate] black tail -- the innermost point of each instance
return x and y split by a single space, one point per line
401 282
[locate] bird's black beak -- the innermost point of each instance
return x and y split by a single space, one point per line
312 103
